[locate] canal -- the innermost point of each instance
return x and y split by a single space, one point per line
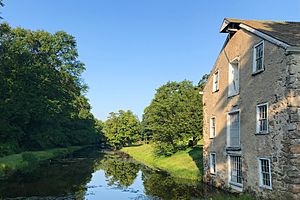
91 174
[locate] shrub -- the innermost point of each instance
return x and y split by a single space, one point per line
4 170
30 162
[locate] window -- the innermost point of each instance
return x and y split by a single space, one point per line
212 163
216 81
235 167
233 79
212 127
258 57
233 129
265 173
262 118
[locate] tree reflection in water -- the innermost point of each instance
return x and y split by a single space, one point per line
93 175
119 172
166 187
122 172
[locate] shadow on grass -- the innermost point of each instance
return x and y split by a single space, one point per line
134 145
196 155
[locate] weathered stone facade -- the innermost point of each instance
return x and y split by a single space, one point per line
279 86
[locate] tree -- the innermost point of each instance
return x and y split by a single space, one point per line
41 92
122 128
164 186
203 81
1 5
99 125
119 172
174 117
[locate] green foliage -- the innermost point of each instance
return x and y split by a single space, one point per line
28 161
119 172
5 170
166 187
203 81
99 125
122 128
1 5
42 100
174 117
231 197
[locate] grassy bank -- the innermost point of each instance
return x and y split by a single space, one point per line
185 164
28 160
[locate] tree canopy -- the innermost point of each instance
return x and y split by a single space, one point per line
174 117
42 100
122 128
1 5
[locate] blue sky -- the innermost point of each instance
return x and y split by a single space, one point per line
131 47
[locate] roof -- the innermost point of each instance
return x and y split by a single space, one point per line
287 32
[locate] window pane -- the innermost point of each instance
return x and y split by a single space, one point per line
262 118
265 172
234 130
213 163
236 169
233 79
216 81
259 57
213 127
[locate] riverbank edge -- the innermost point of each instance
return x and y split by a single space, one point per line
185 164
14 162
142 153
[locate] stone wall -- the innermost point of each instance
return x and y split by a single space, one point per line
291 140
269 86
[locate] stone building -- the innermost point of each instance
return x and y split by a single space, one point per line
252 110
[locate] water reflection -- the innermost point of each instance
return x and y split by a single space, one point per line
118 171
166 187
64 177
93 175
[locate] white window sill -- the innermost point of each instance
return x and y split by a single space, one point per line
233 149
265 187
233 95
258 72
236 186
262 133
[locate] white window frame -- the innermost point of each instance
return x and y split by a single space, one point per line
212 169
216 79
231 78
254 68
228 128
235 185
257 118
212 133
261 176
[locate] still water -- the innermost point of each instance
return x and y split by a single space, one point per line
92 175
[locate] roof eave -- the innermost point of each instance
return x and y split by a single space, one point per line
227 25
224 26
265 36
293 49
232 25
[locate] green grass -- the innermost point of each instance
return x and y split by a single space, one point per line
239 197
185 164
11 163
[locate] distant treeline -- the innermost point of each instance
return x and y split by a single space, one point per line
42 102
172 121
